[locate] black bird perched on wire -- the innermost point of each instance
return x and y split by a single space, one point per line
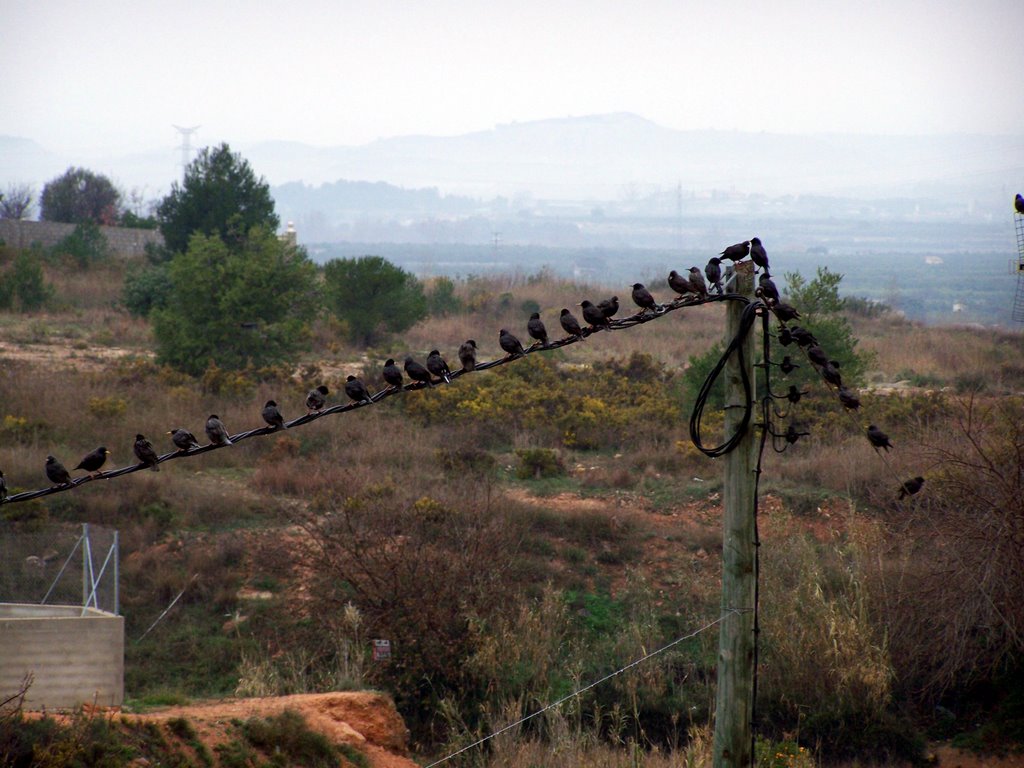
785 312
787 365
535 327
437 366
317 399
272 415
392 374
643 298
785 337
758 254
357 391
1018 204
816 355
145 452
183 439
93 460
593 315
736 252
830 373
697 284
713 271
767 287
609 306
570 324
878 438
216 431
848 399
417 372
56 472
914 484
678 283
802 336
467 355
510 344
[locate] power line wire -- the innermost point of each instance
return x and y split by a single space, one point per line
583 690
614 325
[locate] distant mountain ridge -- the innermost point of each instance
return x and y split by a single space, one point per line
596 157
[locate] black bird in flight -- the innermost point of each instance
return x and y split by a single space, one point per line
848 399
183 439
93 460
392 374
417 372
758 254
272 415
767 288
535 327
1018 204
437 366
356 390
609 306
510 344
570 324
914 484
713 270
643 298
216 431
736 252
878 438
697 284
56 473
593 315
467 355
317 399
145 452
678 283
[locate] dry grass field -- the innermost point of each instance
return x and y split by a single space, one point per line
526 530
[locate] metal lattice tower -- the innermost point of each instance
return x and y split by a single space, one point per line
186 145
1018 299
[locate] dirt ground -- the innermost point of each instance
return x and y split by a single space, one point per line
366 721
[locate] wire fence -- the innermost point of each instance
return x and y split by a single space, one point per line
61 565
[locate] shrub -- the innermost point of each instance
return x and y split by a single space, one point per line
23 284
145 290
86 245
537 463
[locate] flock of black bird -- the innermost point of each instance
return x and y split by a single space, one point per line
694 287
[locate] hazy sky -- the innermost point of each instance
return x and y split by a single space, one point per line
81 76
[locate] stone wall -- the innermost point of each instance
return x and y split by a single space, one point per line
75 659
123 241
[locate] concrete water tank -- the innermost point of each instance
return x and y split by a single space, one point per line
75 654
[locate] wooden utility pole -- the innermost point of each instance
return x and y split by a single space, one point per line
734 704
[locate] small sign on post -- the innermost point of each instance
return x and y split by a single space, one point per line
381 650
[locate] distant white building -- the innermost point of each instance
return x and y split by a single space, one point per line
933 260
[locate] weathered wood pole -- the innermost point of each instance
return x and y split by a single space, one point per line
734 705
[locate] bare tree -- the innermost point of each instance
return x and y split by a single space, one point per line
17 201
955 612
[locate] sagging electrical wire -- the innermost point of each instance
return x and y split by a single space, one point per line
631 321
